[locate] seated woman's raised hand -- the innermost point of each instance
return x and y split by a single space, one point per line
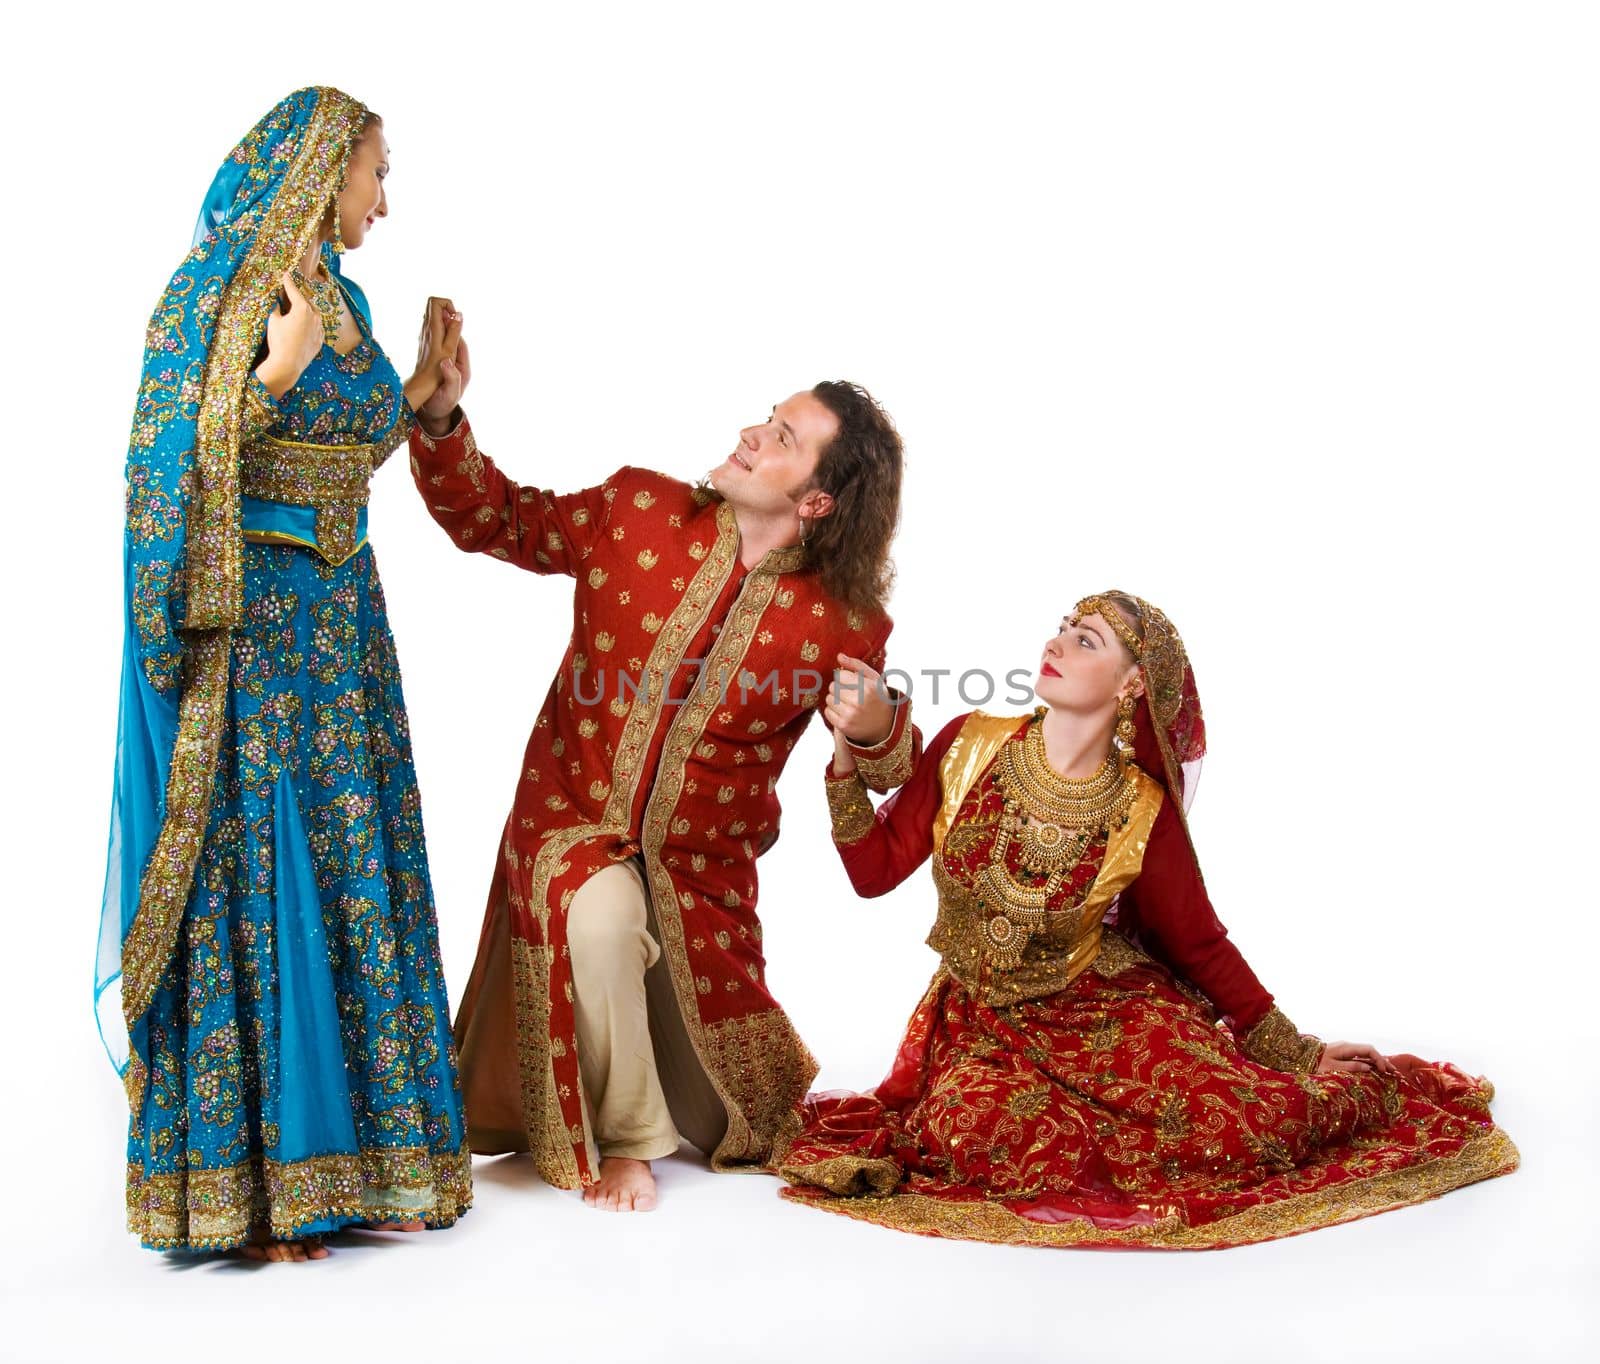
844 761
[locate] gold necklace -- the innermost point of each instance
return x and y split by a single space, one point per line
323 295
1091 803
1054 819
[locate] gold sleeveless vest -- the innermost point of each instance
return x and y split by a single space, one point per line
1054 958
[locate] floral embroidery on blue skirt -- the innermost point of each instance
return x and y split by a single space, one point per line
279 1014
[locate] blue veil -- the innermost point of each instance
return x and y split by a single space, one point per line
183 549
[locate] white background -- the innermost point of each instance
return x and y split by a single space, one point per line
1282 316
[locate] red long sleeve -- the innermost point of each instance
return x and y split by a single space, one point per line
1168 910
901 837
486 513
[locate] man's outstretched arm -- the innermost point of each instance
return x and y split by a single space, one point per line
484 512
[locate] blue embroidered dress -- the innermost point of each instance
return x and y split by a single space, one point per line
292 1070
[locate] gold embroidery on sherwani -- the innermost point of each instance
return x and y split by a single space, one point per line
770 1059
765 1069
556 1161
541 1106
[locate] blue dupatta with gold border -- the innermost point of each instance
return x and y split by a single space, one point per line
183 546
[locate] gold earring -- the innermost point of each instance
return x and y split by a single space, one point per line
1125 728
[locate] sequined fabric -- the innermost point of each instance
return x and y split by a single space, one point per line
1119 1107
292 1065
315 729
1117 1113
686 684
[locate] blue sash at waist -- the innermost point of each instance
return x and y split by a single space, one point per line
278 523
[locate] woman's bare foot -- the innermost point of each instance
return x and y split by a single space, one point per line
263 1247
625 1185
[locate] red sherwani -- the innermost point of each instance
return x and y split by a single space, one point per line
686 684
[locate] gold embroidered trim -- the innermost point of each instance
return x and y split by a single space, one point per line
765 1069
553 1149
261 411
1069 941
1276 1042
888 765
784 559
432 443
304 475
213 553
213 571
850 809
545 1128
152 937
1116 955
979 739
218 1209
847 1176
1484 1156
1124 858
331 478
277 537
753 1128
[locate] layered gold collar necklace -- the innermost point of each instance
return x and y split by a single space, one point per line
1054 820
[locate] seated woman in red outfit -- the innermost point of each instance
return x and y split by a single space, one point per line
1094 1063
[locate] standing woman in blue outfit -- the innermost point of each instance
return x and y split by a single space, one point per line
269 981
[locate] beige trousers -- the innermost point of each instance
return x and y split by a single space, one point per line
642 1080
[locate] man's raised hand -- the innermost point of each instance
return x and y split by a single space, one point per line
858 703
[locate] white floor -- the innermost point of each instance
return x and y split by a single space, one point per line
726 1270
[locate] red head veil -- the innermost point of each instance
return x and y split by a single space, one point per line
1169 731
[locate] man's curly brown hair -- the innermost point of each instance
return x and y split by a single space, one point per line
860 469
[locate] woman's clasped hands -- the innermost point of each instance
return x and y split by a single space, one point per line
443 367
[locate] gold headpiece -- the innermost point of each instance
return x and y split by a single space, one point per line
1107 610
1174 708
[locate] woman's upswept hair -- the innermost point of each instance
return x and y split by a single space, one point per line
860 469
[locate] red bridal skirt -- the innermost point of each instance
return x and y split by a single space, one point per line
1117 1113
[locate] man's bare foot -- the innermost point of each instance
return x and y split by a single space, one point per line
625 1185
263 1247
416 1225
